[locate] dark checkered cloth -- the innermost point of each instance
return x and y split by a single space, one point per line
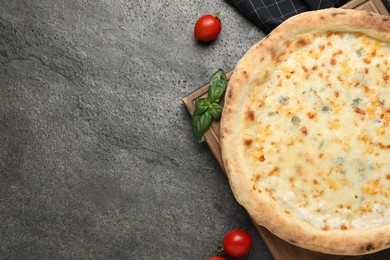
267 14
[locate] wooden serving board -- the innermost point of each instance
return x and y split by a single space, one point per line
279 248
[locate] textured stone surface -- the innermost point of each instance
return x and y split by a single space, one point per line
97 158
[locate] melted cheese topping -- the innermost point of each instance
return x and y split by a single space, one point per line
320 145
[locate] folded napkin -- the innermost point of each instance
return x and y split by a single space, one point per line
268 14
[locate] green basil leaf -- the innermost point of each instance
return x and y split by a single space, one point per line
201 105
200 124
215 110
218 85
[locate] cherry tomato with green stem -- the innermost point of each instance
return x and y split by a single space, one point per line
207 28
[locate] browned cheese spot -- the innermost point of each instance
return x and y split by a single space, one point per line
386 77
302 42
339 52
274 170
308 158
360 111
250 115
367 61
299 170
261 103
304 130
325 227
270 193
248 142
383 146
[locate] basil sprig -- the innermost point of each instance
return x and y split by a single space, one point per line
207 109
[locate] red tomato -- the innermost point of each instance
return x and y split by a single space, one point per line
237 243
216 258
207 28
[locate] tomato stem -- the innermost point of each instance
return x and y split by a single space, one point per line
217 15
221 250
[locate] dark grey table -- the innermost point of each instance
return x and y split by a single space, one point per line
97 158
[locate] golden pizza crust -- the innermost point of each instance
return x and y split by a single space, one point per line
255 68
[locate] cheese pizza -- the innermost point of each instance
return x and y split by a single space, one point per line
305 132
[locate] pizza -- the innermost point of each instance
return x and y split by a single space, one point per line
305 134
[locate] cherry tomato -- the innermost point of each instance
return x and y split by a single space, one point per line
216 258
207 28
237 243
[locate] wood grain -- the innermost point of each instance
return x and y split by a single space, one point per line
375 6
279 248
